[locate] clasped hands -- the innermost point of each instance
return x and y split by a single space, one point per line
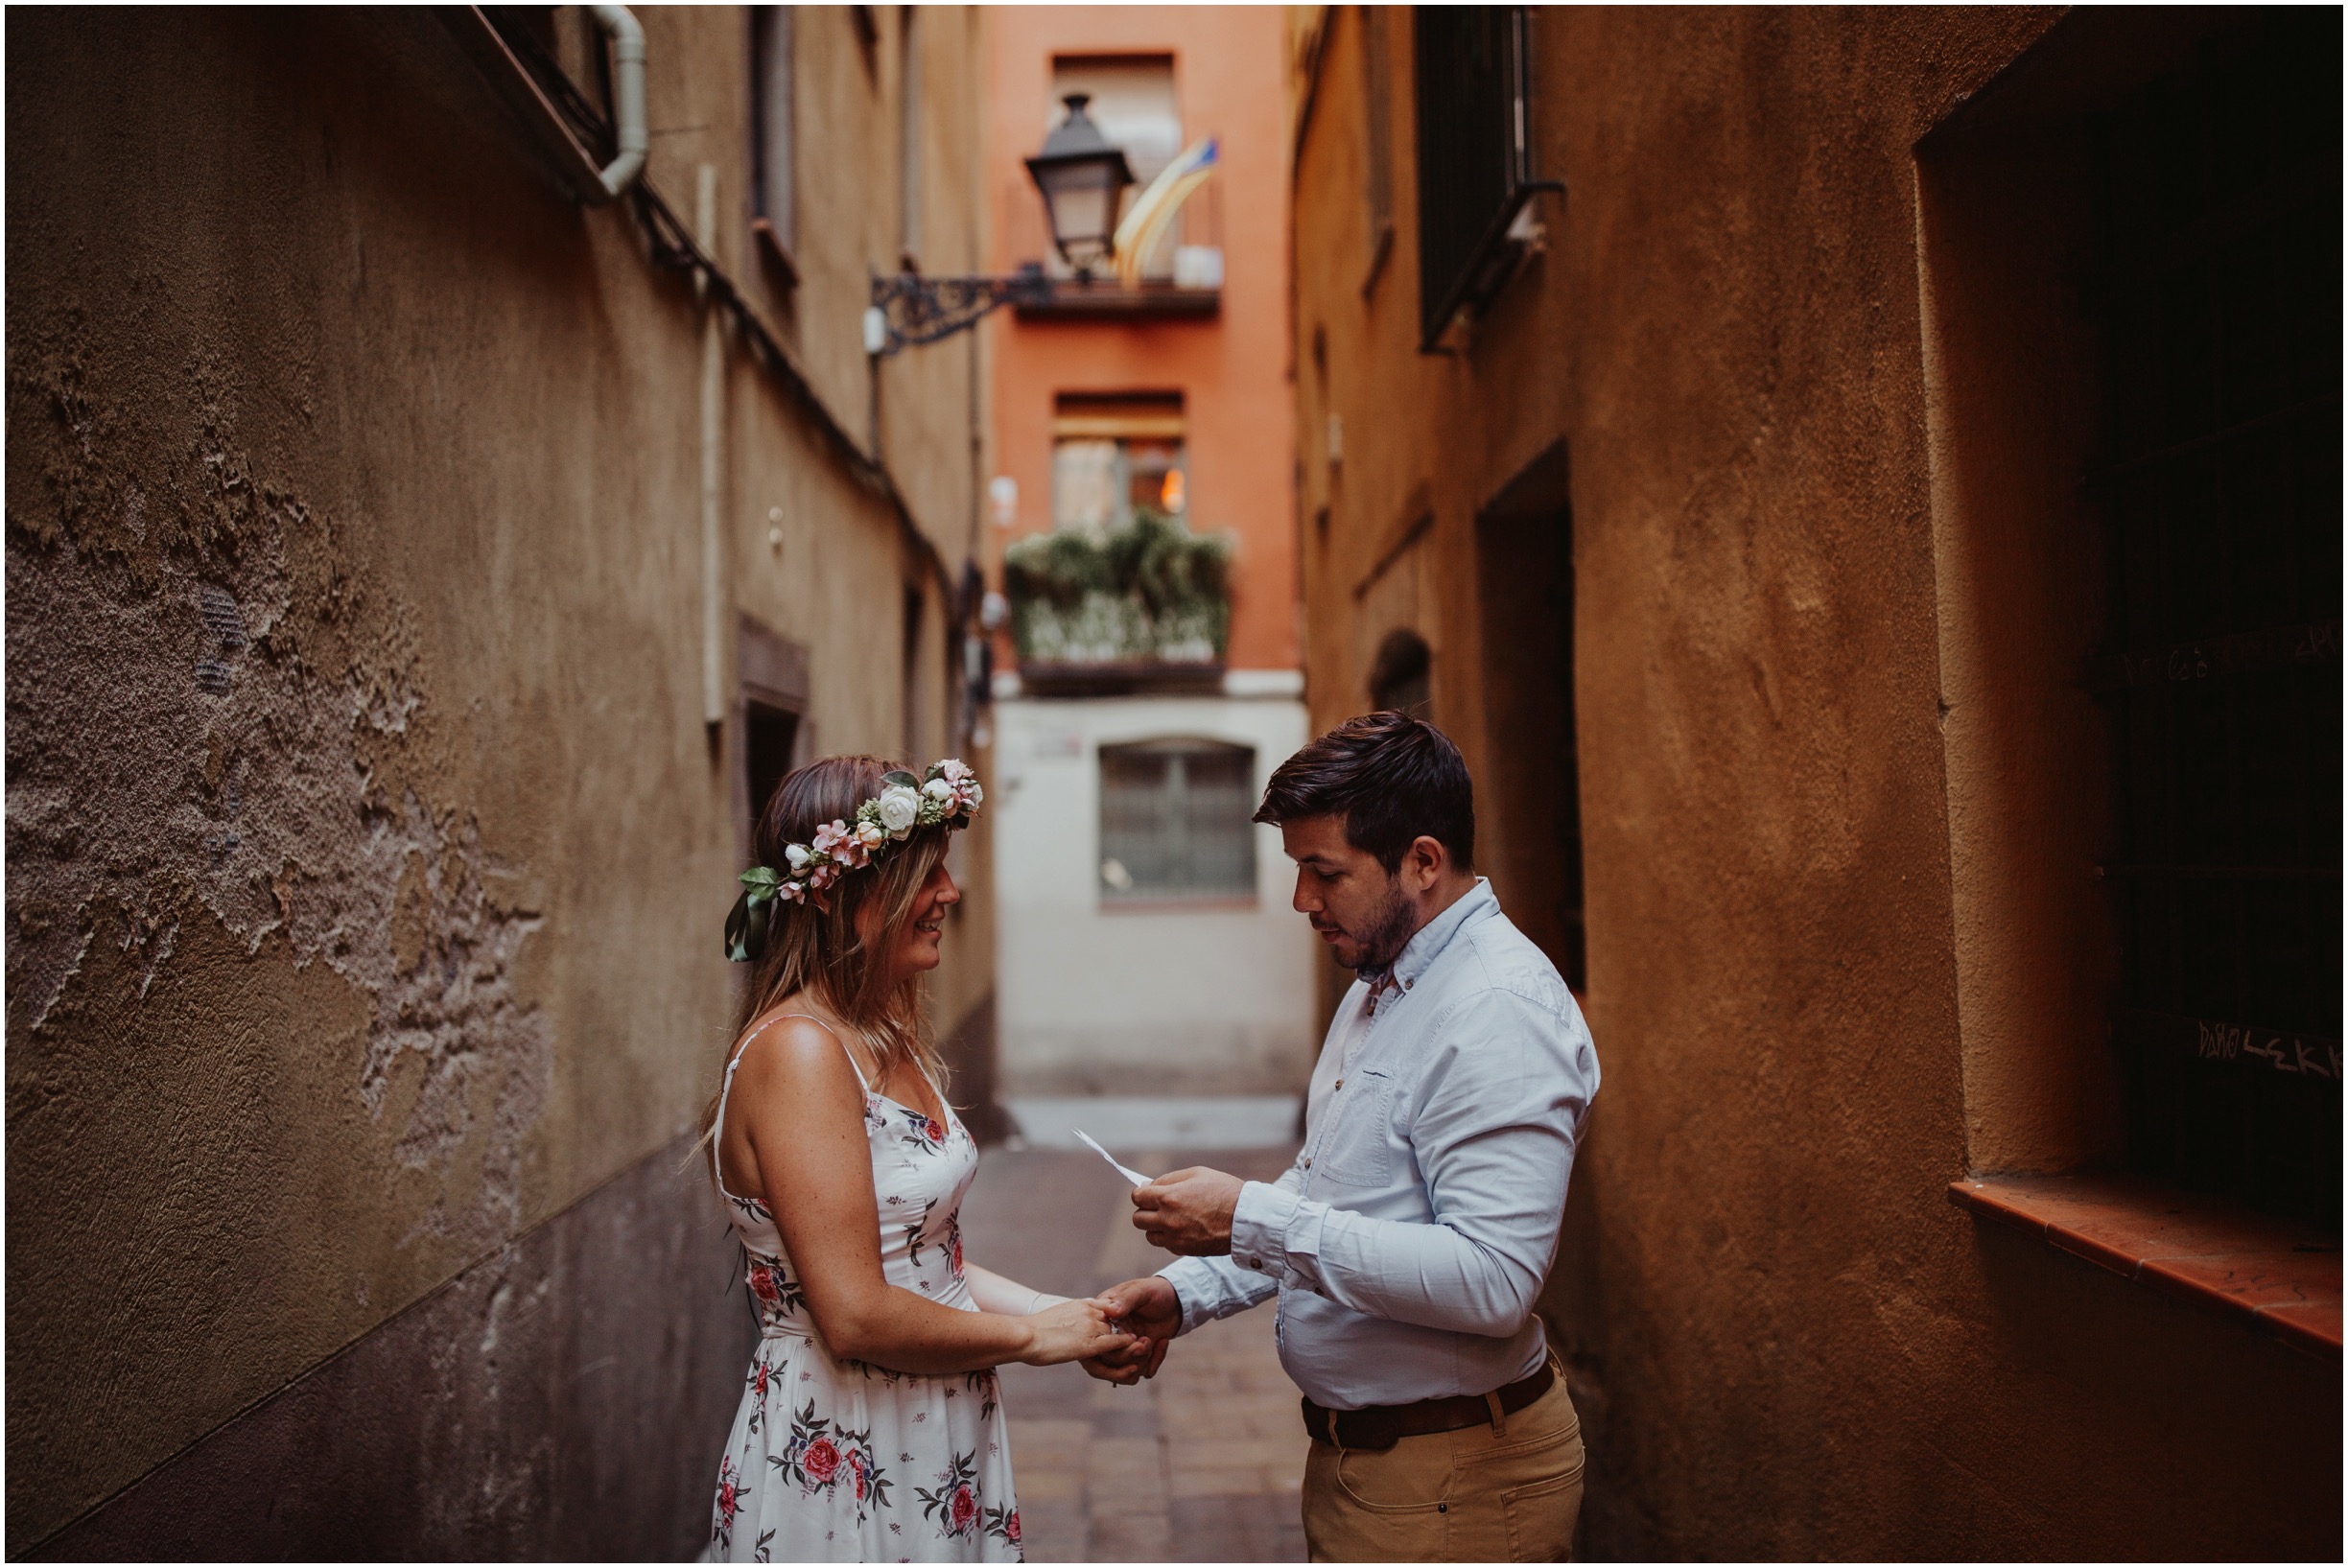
1186 1212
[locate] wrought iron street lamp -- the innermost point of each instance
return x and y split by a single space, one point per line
1081 177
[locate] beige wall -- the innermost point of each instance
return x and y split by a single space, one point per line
1097 999
1784 1341
326 985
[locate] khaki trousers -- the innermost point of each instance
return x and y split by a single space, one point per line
1474 1495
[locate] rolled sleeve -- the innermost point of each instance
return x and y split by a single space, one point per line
1275 1229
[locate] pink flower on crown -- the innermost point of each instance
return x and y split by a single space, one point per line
792 891
822 875
838 841
871 835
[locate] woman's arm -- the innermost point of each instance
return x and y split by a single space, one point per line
802 1112
996 1293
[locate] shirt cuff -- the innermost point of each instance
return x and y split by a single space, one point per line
1197 1292
1277 1233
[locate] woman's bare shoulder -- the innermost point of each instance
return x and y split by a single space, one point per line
789 1053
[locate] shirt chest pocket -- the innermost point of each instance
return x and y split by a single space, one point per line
1357 1149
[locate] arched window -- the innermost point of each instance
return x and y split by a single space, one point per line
1401 676
1174 821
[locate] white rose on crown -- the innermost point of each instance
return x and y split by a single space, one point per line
797 855
899 807
938 790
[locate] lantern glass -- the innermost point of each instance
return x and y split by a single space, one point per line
1081 176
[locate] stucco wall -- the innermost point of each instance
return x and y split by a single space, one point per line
367 849
1784 1341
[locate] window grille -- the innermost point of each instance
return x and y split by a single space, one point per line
2219 285
1476 167
1174 821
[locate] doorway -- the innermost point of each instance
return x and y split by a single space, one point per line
1525 599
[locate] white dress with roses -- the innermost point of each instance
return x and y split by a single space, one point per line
842 1460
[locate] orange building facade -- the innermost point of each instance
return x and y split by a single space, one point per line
1131 741
1230 369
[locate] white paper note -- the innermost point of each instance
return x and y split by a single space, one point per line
1125 1171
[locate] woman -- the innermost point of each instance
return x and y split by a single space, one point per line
871 1426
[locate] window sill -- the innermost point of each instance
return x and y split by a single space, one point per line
2275 1277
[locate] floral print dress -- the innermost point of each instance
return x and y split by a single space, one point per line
843 1461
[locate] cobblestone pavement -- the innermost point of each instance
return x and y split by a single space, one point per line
1201 1464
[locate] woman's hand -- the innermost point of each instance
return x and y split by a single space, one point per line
1072 1332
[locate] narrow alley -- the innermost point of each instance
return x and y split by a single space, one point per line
1200 1464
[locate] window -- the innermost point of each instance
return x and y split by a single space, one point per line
1174 821
1378 106
771 716
1474 162
1132 103
769 734
1401 678
1114 456
910 141
915 672
2217 193
865 20
772 168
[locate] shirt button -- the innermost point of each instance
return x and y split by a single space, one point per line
1338 1084
1308 1162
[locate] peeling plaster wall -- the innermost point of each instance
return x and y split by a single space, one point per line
1783 1340
366 849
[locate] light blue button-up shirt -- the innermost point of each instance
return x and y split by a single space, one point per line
1409 1241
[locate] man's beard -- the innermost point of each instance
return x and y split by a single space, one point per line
1396 922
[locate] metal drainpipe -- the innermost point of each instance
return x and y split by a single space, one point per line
627 48
713 460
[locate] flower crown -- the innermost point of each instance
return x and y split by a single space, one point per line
949 796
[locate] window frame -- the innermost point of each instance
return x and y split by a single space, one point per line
773 218
1242 892
1449 284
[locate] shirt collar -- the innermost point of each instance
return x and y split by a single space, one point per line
1430 940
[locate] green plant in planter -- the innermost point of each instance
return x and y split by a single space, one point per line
1152 590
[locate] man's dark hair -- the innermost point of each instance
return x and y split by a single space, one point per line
1392 778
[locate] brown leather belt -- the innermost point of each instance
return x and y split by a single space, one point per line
1379 1427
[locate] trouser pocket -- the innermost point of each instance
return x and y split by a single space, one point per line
1541 1515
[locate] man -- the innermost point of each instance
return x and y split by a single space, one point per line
1409 1240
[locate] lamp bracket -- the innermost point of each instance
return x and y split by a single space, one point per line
916 309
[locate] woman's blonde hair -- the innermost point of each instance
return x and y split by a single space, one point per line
816 949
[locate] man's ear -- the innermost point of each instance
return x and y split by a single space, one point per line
1423 862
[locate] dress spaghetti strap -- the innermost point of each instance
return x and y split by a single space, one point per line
717 1127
